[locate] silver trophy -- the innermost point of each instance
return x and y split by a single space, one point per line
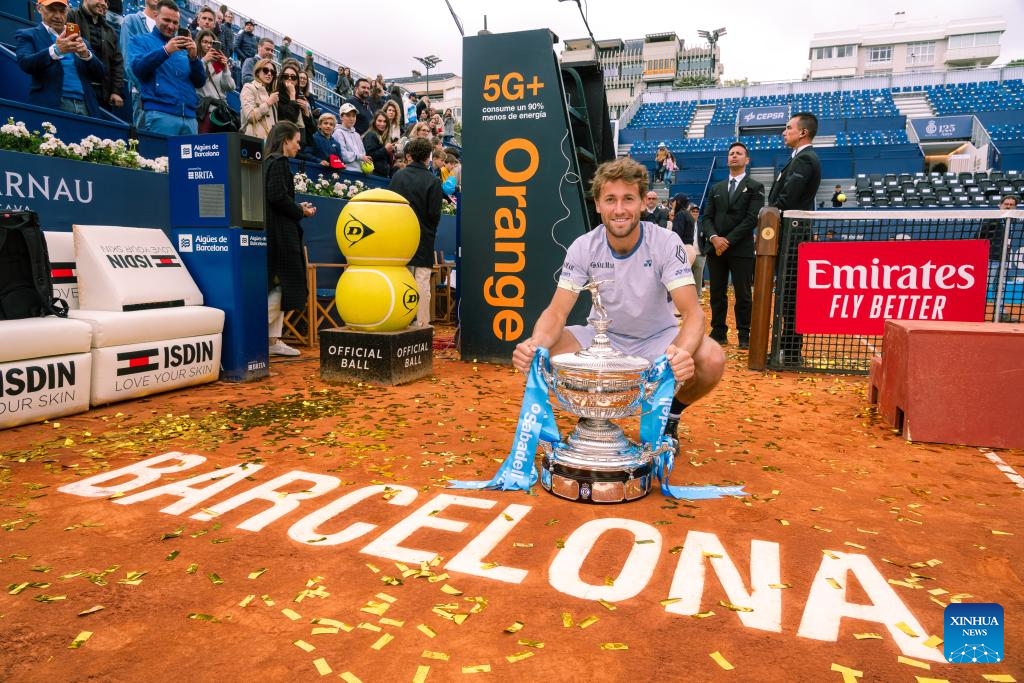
597 463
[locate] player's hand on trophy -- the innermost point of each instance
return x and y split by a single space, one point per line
523 355
681 363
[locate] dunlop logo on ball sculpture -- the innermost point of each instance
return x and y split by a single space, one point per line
376 296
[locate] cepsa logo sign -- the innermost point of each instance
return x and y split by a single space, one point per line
854 287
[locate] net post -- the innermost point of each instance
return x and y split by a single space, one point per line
766 250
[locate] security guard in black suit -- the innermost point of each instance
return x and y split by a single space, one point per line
730 218
795 190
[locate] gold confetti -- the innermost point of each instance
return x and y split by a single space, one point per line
428 654
669 601
780 585
421 674
835 584
607 605
923 679
913 662
644 541
80 640
712 555
703 615
192 568
322 667
858 546
267 601
721 661
476 669
821 528
382 641
303 645
450 590
865 531
1001 533
372 568
783 522
614 646
566 620
522 545
91 610
675 550
170 556
366 626
426 630
589 621
906 629
904 584
933 642
214 579
867 636
256 574
246 600
202 617
999 678
531 643
938 591
849 675
830 555
518 657
392 622
385 597
349 677
322 630
735 608
291 614
489 565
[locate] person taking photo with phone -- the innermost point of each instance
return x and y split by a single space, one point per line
218 82
60 62
167 65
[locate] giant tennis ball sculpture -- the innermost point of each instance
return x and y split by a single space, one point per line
377 298
378 228
378 233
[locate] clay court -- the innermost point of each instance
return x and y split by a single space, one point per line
830 488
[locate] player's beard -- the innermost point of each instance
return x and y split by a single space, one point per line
621 230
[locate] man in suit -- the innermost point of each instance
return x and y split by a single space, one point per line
60 62
730 218
794 190
652 212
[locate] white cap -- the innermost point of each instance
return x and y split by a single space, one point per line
346 108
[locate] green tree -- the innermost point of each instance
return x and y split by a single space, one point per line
735 82
694 81
1016 62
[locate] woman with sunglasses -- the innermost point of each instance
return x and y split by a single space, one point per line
293 106
259 100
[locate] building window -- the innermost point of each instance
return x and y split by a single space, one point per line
920 54
823 52
973 40
880 53
844 51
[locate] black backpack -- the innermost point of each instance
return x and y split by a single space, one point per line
26 290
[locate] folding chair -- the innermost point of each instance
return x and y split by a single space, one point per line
440 284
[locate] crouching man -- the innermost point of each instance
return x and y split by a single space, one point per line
643 262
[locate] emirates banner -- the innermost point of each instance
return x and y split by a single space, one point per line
854 287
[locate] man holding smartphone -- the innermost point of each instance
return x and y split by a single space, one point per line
101 37
169 71
61 64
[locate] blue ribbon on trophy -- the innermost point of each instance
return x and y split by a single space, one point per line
652 430
536 422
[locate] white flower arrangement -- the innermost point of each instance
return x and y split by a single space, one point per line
16 137
332 186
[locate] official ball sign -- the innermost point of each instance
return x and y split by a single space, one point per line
854 287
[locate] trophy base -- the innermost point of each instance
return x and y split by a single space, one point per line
596 486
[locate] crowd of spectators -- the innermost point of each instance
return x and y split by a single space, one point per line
179 79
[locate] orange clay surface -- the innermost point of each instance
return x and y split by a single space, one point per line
167 597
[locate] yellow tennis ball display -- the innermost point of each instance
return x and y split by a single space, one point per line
841 197
378 228
377 298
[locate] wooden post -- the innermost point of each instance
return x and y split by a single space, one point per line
768 222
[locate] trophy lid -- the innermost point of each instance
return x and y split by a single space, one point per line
599 357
